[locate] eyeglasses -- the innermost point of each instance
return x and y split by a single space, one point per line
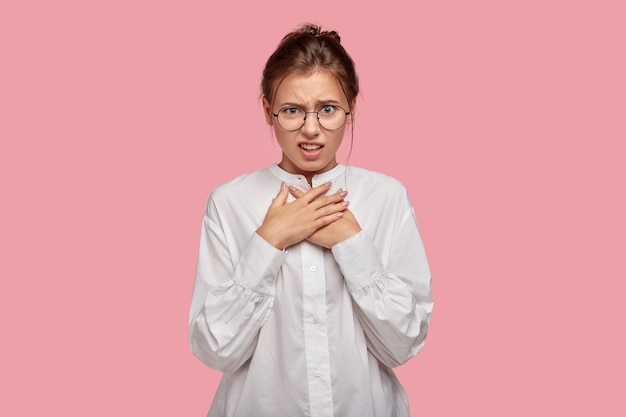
329 117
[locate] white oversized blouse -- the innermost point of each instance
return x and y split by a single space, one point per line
310 331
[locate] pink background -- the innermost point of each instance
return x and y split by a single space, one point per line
504 119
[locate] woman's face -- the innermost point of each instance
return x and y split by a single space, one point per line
311 149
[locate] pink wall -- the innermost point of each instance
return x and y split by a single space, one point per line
505 120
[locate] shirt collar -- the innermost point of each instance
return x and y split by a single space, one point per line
317 179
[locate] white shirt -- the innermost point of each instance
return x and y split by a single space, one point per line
310 331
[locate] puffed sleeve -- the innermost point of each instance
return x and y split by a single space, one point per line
393 299
231 301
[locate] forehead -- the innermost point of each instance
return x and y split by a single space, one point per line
309 89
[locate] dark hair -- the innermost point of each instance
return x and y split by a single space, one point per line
307 49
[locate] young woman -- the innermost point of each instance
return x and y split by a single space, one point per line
312 281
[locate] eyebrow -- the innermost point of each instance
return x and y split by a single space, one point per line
318 103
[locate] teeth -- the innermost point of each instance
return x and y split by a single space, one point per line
309 147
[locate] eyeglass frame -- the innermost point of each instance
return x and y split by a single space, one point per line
317 113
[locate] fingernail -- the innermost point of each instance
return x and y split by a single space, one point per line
292 188
283 186
327 184
343 193
345 203
340 214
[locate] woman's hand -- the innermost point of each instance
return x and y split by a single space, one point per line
286 224
329 235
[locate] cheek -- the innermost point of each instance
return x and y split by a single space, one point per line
283 138
338 137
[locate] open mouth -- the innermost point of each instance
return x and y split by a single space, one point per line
310 147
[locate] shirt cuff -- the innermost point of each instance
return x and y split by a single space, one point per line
259 265
358 260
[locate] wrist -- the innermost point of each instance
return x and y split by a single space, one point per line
269 238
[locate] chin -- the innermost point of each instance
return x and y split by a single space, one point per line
313 167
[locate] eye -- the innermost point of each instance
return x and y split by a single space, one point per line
291 111
328 109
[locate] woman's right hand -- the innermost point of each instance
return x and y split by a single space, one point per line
286 224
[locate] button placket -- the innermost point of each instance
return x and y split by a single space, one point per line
315 332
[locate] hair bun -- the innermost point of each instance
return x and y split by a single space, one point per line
311 29
317 31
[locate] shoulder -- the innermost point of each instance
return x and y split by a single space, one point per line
243 187
242 183
377 190
377 197
373 180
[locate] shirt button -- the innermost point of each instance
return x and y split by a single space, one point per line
318 374
313 268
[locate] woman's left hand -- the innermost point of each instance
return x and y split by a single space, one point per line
335 232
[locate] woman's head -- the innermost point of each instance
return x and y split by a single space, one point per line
309 93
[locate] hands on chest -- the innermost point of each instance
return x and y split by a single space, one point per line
324 220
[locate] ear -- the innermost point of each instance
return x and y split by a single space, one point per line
267 109
351 115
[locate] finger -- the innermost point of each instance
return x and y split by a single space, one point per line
281 197
331 209
315 192
334 198
328 219
296 192
339 195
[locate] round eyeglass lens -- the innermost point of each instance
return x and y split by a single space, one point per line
329 117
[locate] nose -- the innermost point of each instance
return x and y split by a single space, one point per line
311 125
